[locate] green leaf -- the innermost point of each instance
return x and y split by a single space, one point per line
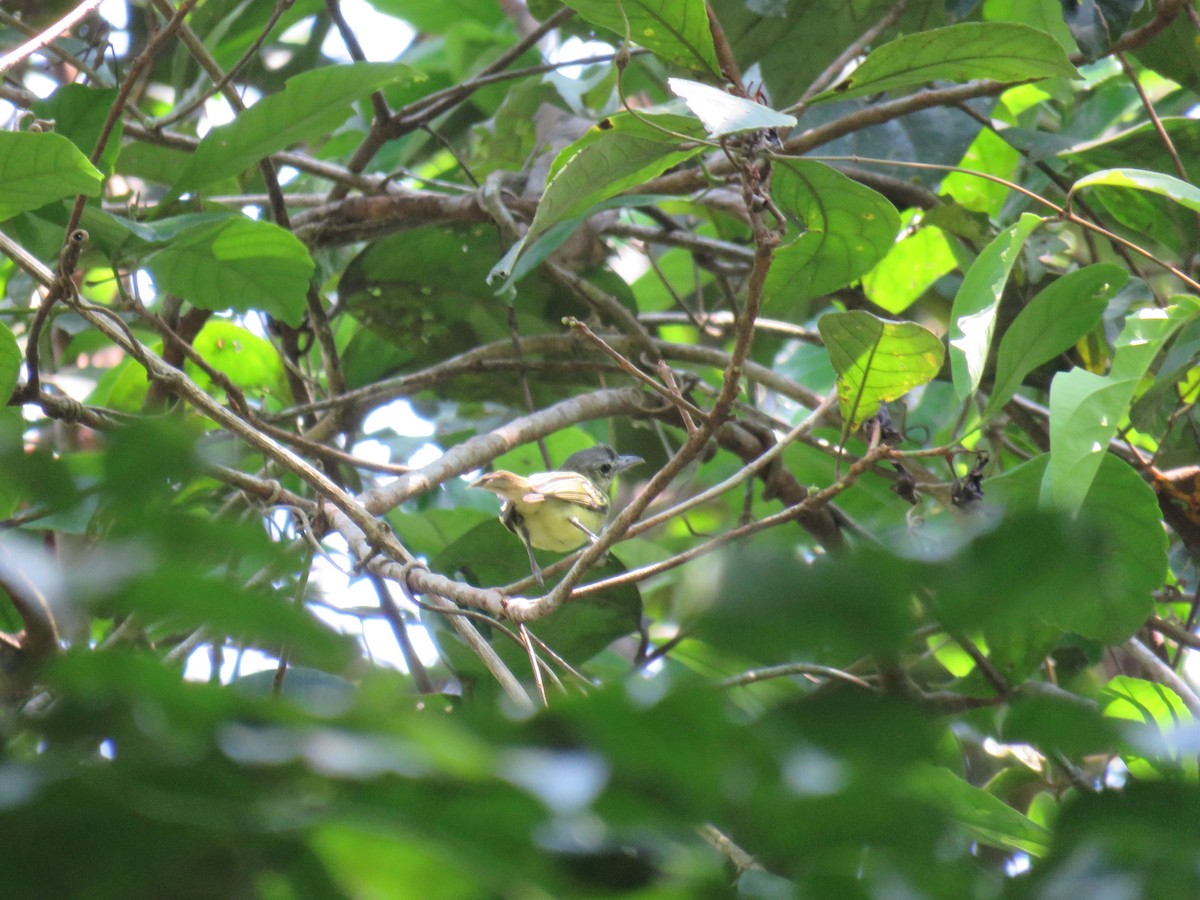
1129 555
36 169
618 153
1168 186
1086 409
845 229
1056 720
239 264
10 363
674 30
1002 51
910 268
251 362
724 113
79 114
877 361
1173 52
1141 142
973 317
1044 15
986 818
398 286
311 106
1125 508
529 256
1160 710
768 33
1053 321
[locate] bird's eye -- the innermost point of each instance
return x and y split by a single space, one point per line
606 468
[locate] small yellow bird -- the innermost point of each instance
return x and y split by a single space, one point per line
558 510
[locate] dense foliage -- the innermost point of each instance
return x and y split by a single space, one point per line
897 300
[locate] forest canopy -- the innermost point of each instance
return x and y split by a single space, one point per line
897 302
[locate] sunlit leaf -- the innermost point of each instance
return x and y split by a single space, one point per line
973 318
909 270
877 360
1160 711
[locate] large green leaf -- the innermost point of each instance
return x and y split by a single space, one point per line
251 362
1125 511
1086 409
845 229
675 30
399 287
876 360
1002 51
1053 321
1172 53
311 106
36 169
973 318
237 263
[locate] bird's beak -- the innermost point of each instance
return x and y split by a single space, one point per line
628 462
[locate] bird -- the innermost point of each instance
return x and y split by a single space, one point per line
559 510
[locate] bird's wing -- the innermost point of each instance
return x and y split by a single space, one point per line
568 486
503 484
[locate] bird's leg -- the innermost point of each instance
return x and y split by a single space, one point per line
533 563
591 537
